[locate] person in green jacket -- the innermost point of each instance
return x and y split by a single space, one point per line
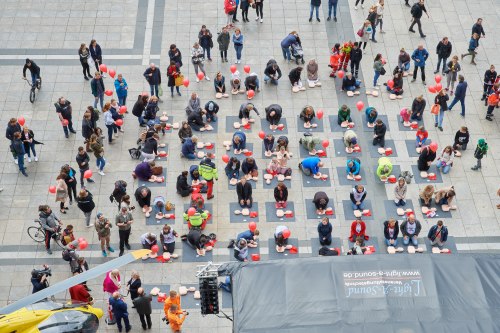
344 114
208 171
197 220
384 168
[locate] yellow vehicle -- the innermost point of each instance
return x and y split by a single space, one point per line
36 314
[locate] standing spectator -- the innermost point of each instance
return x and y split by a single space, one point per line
70 179
357 2
61 192
380 14
208 171
379 133
473 45
110 123
417 108
490 77
124 222
332 4
18 147
224 38
391 231
176 318
134 284
205 40
84 54
404 60
259 8
356 56
420 55
229 9
314 5
480 152
153 76
442 100
83 159
438 234
325 231
172 73
238 44
461 139
286 43
143 306
119 308
443 50
103 227
87 129
28 138
197 59
416 12
410 229
460 95
367 30
477 28
174 54
86 204
235 19
244 5
12 127
97 148
64 111
244 192
50 224
97 86
372 17
453 67
377 67
96 54
121 88
34 70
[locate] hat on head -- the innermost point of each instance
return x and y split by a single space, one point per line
99 215
402 49
354 141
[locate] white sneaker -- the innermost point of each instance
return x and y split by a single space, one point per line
15 161
90 225
236 61
261 20
364 51
101 173
197 80
116 136
36 158
25 156
207 78
362 6
356 7
29 159
257 18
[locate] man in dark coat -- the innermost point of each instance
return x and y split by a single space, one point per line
143 306
119 308
379 133
64 111
153 76
182 186
244 192
443 51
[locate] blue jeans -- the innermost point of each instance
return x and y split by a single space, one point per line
352 88
100 162
233 174
154 88
111 128
68 128
400 202
419 143
438 118
190 156
20 162
34 77
157 210
414 240
99 98
317 11
211 117
462 104
406 67
439 63
375 78
389 244
332 5
122 100
141 120
286 53
361 206
374 30
267 79
238 48
207 51
31 146
444 168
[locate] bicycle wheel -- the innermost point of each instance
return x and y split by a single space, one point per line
32 95
37 234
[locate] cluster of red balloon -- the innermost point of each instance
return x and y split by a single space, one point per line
82 243
438 87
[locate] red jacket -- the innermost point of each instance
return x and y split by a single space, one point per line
422 134
79 294
229 5
361 233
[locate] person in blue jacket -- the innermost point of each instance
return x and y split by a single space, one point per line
460 95
121 88
239 141
250 236
371 115
310 165
286 43
419 56
353 167
119 308
188 148
325 231
438 234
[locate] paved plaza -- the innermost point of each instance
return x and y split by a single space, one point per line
133 33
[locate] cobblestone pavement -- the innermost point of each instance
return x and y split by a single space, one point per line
133 33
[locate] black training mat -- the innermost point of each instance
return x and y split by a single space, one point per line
440 214
449 244
342 177
230 120
315 245
155 184
241 157
384 118
164 288
408 129
271 213
391 209
151 220
311 210
310 181
335 127
233 218
273 255
410 146
188 301
274 181
420 180
388 144
264 125
251 250
319 122
252 183
303 153
372 241
338 145
189 254
349 213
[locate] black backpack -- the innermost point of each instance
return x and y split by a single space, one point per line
415 10
65 255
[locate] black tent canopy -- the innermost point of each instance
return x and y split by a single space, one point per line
378 293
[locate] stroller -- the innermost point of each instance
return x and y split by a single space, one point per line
297 52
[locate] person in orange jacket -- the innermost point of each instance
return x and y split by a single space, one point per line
174 298
176 318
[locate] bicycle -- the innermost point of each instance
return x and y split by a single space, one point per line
33 88
37 233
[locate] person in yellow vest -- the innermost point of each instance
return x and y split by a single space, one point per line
208 171
384 168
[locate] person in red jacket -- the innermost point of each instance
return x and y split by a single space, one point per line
79 294
229 9
358 229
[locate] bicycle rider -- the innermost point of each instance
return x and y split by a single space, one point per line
50 223
35 72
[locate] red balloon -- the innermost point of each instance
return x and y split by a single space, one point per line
201 76
144 93
119 122
340 74
262 135
437 78
325 143
103 68
112 73
286 233
250 93
225 158
432 89
87 174
246 68
191 211
123 109
185 83
154 249
252 226
52 189
438 87
81 239
83 244
320 114
65 122
108 92
390 84
360 105
21 120
233 68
